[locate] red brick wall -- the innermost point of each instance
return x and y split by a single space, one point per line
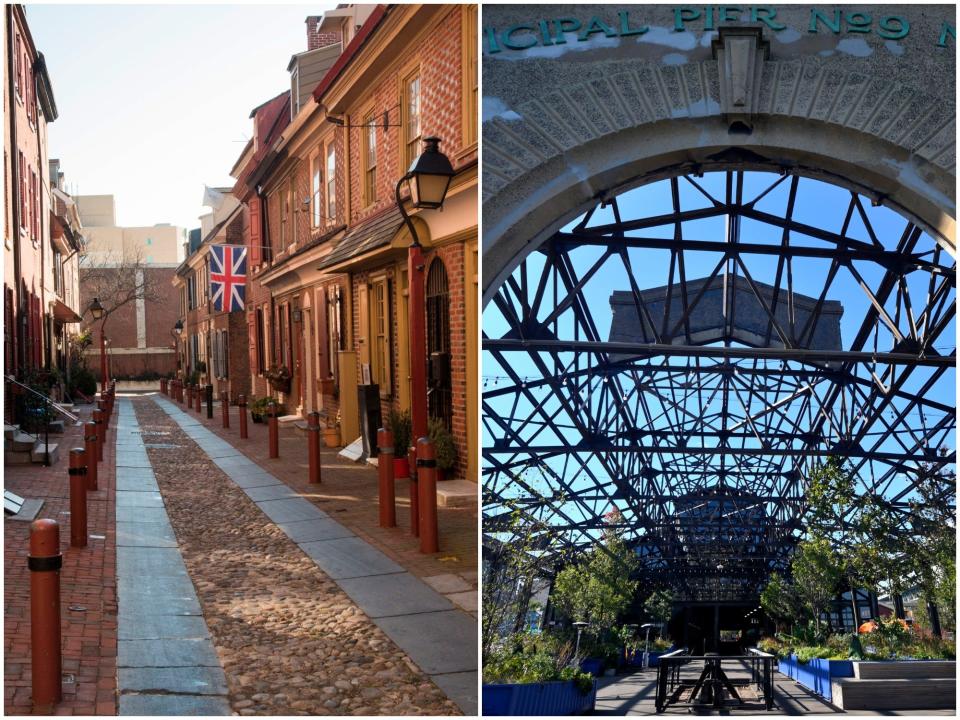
317 39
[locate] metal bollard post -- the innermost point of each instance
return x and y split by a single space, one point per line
189 389
197 398
46 666
242 407
98 421
90 444
225 408
105 415
388 500
427 479
414 493
313 446
78 498
273 430
208 391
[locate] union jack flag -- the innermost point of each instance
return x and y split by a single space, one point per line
228 276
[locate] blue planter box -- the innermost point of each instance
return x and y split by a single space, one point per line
636 659
816 675
549 698
594 666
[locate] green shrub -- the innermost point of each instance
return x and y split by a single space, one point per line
531 658
806 653
82 379
444 447
401 426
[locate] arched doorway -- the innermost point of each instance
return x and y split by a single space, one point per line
438 343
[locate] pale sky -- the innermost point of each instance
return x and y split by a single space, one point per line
154 100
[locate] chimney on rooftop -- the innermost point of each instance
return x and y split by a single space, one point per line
317 39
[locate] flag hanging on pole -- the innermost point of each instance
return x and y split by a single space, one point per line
228 277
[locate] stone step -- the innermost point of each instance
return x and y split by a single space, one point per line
55 427
903 669
21 442
38 454
9 431
456 493
895 694
13 457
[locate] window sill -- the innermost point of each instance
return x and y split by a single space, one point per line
466 152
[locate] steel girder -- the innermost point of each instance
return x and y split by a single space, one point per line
709 410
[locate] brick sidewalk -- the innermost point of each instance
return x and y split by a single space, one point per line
349 493
87 580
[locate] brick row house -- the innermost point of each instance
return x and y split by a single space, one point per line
42 232
212 344
327 290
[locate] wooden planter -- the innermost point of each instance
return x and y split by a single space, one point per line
327 387
331 437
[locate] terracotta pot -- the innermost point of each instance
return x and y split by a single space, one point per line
401 468
331 437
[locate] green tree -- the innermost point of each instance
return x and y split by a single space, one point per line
779 600
816 573
659 606
598 589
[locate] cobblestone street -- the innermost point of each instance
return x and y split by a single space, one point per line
236 594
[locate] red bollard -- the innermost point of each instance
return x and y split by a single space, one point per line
414 493
105 415
225 408
273 430
189 396
242 407
90 443
46 667
198 399
78 498
313 447
98 421
388 499
427 479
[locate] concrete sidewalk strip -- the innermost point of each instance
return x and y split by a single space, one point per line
280 491
349 557
167 652
191 680
136 483
389 595
134 534
139 499
156 627
303 531
290 510
168 705
251 479
165 657
460 685
439 642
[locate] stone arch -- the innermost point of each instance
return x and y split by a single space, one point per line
882 128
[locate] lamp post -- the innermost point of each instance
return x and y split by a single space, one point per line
96 309
428 180
576 652
178 329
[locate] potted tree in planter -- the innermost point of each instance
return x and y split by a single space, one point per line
258 408
279 378
401 426
444 447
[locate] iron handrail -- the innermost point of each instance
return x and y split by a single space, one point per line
59 408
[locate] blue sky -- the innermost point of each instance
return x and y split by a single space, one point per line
154 100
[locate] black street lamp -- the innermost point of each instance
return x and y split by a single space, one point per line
428 180
96 309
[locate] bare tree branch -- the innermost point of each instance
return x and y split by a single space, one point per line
119 279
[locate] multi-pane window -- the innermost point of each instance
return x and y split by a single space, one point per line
380 330
23 193
35 205
370 160
19 75
334 336
316 183
284 218
411 119
470 75
331 183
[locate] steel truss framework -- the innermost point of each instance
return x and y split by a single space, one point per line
699 404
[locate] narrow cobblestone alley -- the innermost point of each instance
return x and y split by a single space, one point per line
290 639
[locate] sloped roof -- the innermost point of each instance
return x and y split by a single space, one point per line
369 235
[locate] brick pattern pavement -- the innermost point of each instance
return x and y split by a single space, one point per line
349 493
87 580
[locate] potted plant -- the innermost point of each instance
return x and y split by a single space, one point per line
331 433
279 378
401 426
258 408
444 447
